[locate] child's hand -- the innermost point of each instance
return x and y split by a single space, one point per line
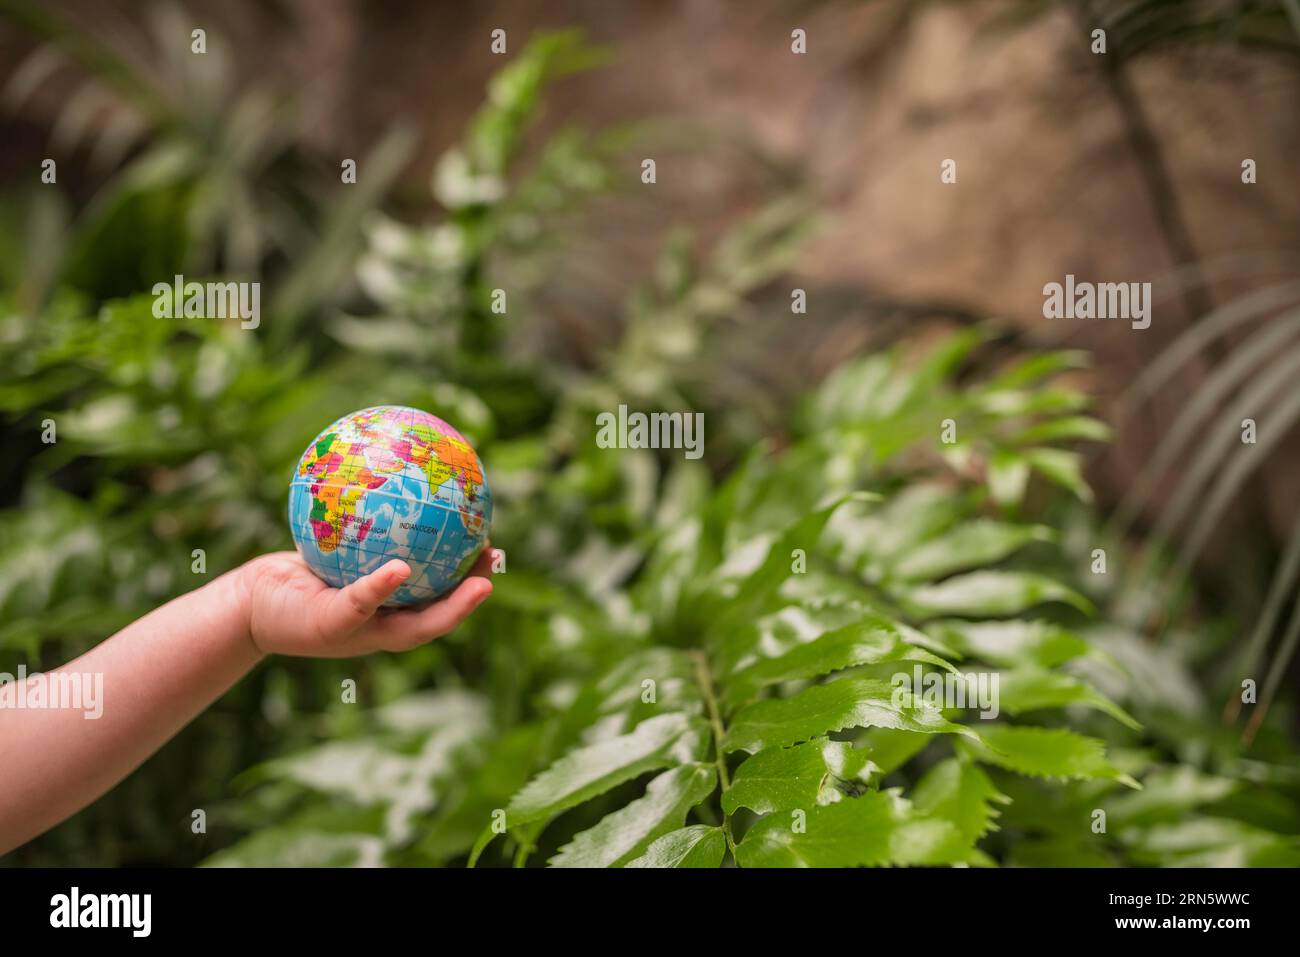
292 612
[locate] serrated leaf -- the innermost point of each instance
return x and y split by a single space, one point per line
973 544
877 828
696 846
810 773
582 774
628 832
990 593
870 641
960 792
1011 642
1028 689
848 703
1047 753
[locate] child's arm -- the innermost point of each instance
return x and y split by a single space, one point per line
161 671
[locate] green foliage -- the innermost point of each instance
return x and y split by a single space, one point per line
686 664
750 673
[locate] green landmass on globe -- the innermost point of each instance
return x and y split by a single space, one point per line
390 482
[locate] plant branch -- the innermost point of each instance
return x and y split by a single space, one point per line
704 678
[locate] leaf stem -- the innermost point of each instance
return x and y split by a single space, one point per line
704 677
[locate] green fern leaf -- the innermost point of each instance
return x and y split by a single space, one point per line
582 774
877 828
694 846
1029 689
960 792
849 703
815 772
628 832
1048 753
867 642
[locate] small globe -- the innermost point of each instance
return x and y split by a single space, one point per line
391 482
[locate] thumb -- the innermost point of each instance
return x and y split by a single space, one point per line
352 606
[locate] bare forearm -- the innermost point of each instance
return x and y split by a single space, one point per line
158 674
161 671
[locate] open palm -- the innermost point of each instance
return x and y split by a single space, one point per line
293 612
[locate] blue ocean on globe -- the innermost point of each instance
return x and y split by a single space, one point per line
391 482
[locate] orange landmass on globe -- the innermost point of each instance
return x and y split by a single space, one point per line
345 470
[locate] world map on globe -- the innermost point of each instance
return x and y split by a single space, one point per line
390 482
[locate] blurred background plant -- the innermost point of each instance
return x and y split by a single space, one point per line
178 435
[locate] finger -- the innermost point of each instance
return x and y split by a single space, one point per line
349 607
402 630
486 560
